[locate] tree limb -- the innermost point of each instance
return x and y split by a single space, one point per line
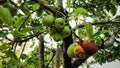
54 11
100 23
23 23
22 50
77 62
51 57
66 59
41 51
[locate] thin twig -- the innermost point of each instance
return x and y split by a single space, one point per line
23 3
14 4
30 36
54 11
14 48
22 50
23 23
54 52
100 23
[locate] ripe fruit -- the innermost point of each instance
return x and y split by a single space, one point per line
79 52
66 31
70 50
59 23
57 36
79 42
52 30
48 20
89 47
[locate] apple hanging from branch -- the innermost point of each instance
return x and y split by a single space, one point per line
90 47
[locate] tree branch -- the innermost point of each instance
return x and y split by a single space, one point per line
23 23
14 4
30 36
54 11
41 51
76 63
54 52
100 23
57 64
22 50
66 59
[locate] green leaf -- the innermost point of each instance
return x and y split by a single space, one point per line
28 29
11 54
89 31
117 18
25 10
113 10
36 6
68 3
114 2
104 31
98 39
80 10
16 33
41 28
23 56
19 21
30 66
5 15
12 63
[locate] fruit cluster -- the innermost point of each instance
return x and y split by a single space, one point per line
57 28
82 49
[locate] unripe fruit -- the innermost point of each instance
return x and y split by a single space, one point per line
66 31
70 50
79 52
57 36
48 20
59 23
52 30
89 47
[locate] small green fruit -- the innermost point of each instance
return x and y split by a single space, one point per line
70 50
57 36
66 32
52 30
48 20
59 23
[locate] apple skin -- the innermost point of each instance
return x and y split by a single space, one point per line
66 32
70 50
52 30
57 36
89 47
79 52
59 23
48 20
79 42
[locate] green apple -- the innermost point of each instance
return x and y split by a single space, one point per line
59 23
57 36
48 20
52 30
70 50
66 32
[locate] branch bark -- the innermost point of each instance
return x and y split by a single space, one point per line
76 63
41 51
54 52
57 65
101 23
66 59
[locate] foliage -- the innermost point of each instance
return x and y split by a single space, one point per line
91 19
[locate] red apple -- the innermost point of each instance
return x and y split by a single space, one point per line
79 42
89 47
